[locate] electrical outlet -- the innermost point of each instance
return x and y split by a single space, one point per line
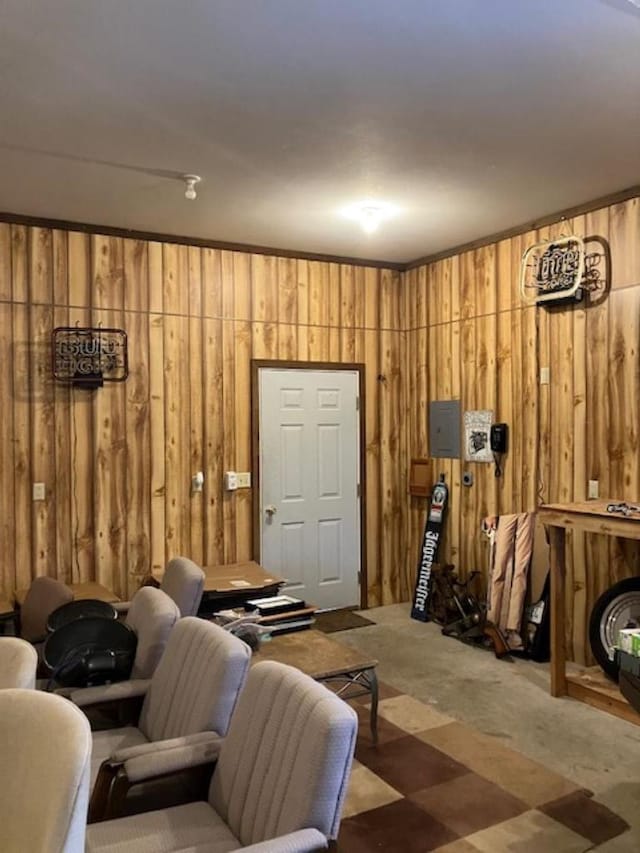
593 491
39 492
544 375
197 481
230 481
244 480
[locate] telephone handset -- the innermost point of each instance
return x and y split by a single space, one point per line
498 436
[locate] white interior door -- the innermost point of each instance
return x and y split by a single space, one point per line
309 482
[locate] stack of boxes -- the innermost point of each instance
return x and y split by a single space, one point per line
629 650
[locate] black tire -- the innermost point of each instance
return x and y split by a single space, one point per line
618 607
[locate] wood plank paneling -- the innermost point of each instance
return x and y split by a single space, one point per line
583 425
117 462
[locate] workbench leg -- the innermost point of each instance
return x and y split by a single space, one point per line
558 574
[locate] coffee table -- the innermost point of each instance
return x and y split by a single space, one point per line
346 671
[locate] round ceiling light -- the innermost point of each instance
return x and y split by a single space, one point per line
370 214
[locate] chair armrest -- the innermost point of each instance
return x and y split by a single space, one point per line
117 692
150 760
146 762
302 841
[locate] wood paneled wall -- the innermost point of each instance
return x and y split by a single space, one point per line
117 462
470 338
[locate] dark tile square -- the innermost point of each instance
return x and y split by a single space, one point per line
586 817
386 730
408 764
399 827
468 803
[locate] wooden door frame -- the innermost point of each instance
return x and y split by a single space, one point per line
256 366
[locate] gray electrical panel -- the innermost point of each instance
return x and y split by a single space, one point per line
444 429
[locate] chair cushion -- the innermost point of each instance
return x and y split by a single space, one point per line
18 663
45 745
183 582
285 762
110 741
152 615
163 832
196 684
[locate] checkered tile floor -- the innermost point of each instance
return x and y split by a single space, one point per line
432 783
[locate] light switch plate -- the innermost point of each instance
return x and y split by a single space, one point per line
593 491
244 480
39 492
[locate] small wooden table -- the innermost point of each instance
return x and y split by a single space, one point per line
80 591
345 670
239 577
233 584
592 517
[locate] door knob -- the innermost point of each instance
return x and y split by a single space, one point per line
271 509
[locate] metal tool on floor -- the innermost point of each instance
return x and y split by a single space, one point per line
460 613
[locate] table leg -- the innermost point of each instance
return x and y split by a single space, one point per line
558 573
373 722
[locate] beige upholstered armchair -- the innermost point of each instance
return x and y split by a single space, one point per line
18 663
278 785
183 582
186 710
44 596
152 616
45 744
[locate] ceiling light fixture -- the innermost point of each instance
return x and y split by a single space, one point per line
370 214
191 181
370 218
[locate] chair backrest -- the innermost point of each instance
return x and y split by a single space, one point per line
285 762
18 663
44 596
152 616
45 743
196 685
183 581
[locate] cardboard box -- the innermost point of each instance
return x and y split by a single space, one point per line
629 641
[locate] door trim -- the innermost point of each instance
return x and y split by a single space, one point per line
256 366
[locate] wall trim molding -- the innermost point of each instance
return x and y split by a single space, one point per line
152 236
201 243
541 222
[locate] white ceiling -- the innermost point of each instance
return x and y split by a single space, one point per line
471 116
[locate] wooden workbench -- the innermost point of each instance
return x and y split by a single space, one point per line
590 686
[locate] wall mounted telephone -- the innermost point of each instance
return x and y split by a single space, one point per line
498 440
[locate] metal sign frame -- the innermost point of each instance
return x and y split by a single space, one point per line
88 356
553 269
